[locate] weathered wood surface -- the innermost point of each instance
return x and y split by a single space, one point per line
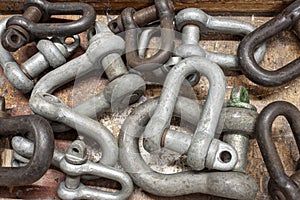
281 49
220 6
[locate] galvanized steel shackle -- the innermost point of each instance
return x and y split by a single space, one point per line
236 123
166 15
40 131
193 21
54 109
123 89
288 18
75 164
24 148
234 119
87 62
51 53
24 29
280 186
204 151
23 151
158 75
225 184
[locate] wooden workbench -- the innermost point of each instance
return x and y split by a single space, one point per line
281 49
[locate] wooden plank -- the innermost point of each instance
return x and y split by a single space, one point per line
6 157
219 6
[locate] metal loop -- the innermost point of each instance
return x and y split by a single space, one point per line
43 149
206 23
206 129
167 38
11 69
71 188
89 61
121 90
51 53
232 120
24 147
158 75
21 77
225 184
12 41
285 186
252 70
53 108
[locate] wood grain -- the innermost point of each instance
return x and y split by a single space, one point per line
219 6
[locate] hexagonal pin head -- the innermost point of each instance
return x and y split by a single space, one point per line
12 39
76 153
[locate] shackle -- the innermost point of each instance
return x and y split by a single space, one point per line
51 53
75 164
224 184
288 18
166 15
280 186
205 150
21 30
123 89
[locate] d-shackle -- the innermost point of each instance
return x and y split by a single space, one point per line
24 29
281 187
123 88
98 135
225 184
75 164
51 53
204 151
251 69
166 15
237 124
192 22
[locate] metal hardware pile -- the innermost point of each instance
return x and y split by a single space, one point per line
216 134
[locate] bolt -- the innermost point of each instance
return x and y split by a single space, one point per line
51 53
76 153
190 47
141 18
239 98
113 66
240 141
15 36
